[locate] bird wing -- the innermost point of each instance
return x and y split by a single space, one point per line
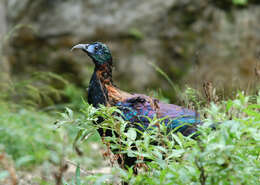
139 108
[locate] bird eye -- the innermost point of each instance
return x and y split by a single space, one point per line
96 48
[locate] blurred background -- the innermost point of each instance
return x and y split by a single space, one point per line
191 41
159 47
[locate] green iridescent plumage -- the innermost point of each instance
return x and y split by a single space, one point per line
100 53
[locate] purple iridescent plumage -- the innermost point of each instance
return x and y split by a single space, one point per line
138 108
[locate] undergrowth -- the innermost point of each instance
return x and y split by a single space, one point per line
33 140
29 140
227 155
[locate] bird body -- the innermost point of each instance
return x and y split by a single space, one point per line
136 108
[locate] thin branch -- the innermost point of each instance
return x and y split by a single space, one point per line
81 169
203 176
9 167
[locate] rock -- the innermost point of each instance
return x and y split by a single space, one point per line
85 18
228 57
192 41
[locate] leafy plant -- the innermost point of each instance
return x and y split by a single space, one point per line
240 2
136 34
33 145
227 154
38 91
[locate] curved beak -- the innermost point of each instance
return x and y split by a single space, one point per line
80 46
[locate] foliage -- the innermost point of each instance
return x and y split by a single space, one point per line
75 96
30 139
45 90
38 91
136 34
227 155
240 2
20 135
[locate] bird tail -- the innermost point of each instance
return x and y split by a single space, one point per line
193 129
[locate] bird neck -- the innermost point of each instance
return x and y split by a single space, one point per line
104 73
101 78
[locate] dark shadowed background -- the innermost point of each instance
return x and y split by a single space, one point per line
193 41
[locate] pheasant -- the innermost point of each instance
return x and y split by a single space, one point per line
134 107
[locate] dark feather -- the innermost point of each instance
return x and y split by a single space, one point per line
138 108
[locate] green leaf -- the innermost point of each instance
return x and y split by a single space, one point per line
131 134
70 113
136 33
175 153
23 160
177 139
229 105
77 175
79 134
240 2
220 161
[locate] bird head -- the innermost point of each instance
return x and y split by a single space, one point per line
97 51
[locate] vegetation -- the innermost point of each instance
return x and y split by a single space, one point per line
30 143
228 154
35 140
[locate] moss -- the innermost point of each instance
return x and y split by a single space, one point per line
227 5
136 34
